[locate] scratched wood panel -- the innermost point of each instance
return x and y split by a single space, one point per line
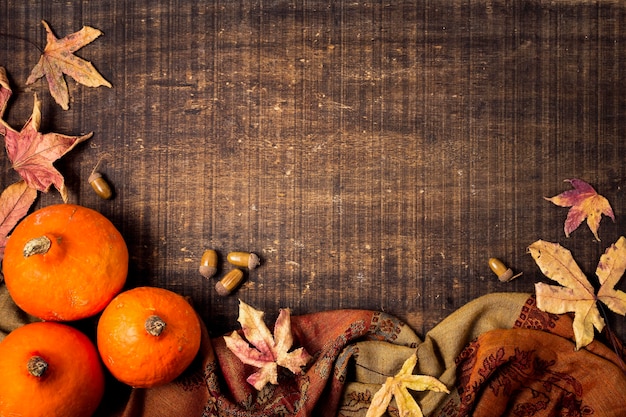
374 155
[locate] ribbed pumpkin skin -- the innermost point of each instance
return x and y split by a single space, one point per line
85 267
72 385
134 356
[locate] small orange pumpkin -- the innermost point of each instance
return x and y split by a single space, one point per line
49 369
148 336
65 262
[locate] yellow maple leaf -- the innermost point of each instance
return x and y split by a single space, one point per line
58 58
397 386
577 295
585 203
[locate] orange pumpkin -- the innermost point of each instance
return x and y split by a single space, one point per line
148 336
65 262
49 369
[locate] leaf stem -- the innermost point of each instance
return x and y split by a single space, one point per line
9 35
611 336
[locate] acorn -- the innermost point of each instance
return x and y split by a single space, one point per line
208 263
229 282
100 185
504 273
244 259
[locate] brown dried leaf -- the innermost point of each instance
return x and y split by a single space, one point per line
5 92
268 352
397 387
58 58
15 201
32 153
577 295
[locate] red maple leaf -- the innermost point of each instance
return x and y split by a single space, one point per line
32 153
585 203
58 58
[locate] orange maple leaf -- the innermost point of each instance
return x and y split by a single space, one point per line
268 352
32 153
577 295
585 203
58 58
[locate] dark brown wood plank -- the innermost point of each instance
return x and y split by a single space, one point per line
374 155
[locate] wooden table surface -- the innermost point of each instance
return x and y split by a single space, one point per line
374 154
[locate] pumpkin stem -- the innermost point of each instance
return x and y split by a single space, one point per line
154 325
37 246
37 366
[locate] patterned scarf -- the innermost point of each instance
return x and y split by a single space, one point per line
499 355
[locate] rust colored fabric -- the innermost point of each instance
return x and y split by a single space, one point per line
523 372
534 370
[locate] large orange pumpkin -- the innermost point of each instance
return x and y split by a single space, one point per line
148 336
49 369
65 262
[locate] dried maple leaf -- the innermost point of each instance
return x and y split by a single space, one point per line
268 352
15 201
585 203
577 295
5 90
32 153
398 386
58 58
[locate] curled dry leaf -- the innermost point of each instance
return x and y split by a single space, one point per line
5 91
609 272
15 201
397 387
577 295
267 352
32 153
585 203
58 58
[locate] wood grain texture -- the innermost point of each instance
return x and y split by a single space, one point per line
375 155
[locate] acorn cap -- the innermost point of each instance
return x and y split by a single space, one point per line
207 271
253 261
94 176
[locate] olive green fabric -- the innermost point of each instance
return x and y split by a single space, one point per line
375 360
11 316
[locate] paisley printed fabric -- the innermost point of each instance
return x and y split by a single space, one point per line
533 370
216 385
499 356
